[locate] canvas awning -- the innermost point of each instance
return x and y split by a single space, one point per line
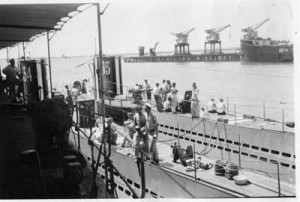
21 22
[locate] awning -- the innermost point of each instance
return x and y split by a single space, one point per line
21 22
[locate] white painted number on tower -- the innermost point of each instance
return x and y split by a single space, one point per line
106 68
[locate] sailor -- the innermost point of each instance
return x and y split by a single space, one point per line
140 136
195 101
157 92
152 127
203 113
211 106
221 108
147 90
167 87
167 105
112 131
97 133
174 92
11 73
83 89
109 130
129 125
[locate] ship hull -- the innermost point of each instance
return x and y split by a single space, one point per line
260 149
266 53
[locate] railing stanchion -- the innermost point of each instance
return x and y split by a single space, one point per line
227 105
264 110
240 151
282 120
234 114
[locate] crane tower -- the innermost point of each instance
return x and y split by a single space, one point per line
182 42
213 38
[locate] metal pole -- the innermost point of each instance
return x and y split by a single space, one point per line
178 135
227 105
195 163
240 151
77 122
49 61
24 51
7 55
100 83
278 178
234 115
282 120
264 107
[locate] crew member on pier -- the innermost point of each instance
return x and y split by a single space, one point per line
152 127
195 101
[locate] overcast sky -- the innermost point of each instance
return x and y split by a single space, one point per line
127 24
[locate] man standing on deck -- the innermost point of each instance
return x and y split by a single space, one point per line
147 90
140 139
157 91
152 128
221 108
129 124
11 76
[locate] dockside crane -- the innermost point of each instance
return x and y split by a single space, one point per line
213 38
153 50
182 42
250 32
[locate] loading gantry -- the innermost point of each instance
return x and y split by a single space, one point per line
213 38
182 42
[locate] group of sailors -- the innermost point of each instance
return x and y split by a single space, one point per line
141 133
165 96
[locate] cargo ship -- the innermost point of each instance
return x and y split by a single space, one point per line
257 49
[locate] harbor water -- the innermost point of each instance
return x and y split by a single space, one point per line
259 89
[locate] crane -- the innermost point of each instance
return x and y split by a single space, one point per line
250 31
213 38
214 33
153 50
182 37
182 42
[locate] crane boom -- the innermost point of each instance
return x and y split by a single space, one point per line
254 27
186 32
216 30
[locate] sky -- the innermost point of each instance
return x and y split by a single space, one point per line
127 24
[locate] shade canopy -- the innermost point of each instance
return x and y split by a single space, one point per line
21 22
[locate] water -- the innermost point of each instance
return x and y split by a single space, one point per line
247 87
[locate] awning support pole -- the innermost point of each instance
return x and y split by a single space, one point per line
24 51
49 61
7 56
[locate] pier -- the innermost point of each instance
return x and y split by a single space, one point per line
218 57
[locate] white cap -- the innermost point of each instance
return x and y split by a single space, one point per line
148 105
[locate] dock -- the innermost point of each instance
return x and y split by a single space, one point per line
217 57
